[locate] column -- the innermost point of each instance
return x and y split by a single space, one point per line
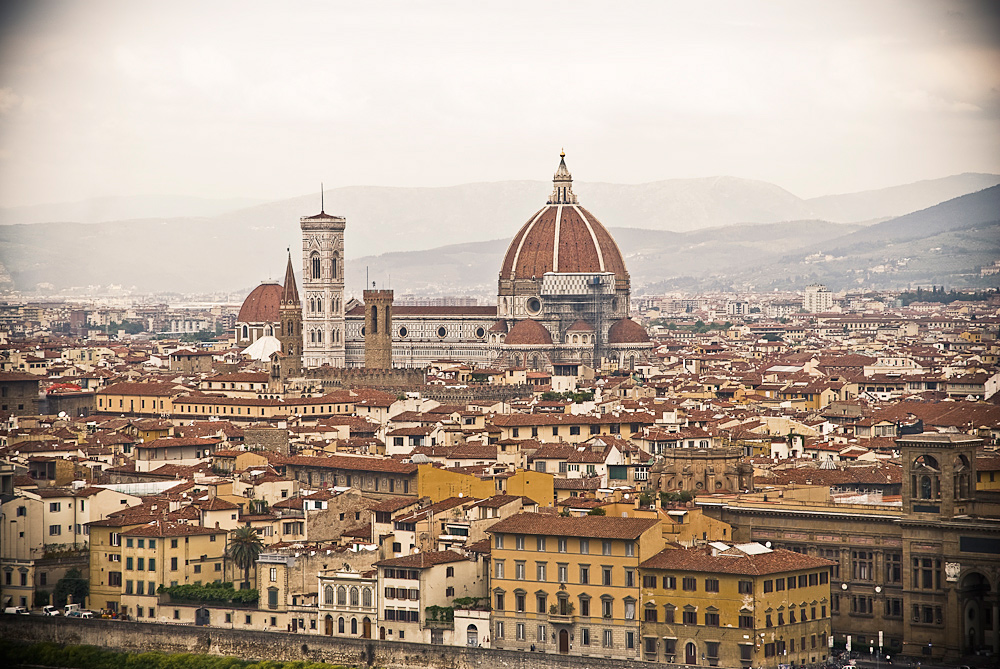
996 628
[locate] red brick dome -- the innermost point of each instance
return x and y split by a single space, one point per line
562 237
528 333
262 305
627 331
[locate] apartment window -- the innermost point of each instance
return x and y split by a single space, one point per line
248 619
689 584
585 636
629 549
562 545
649 614
629 640
55 530
669 648
746 622
689 617
585 546
173 564
606 547
606 571
584 574
499 630
520 631
563 571
274 574
498 569
540 542
629 608
711 585
499 541
585 607
669 582
712 619
55 507
499 601
140 543
609 639
129 587
519 602
540 601
712 650
768 586
894 608
152 564
803 580
606 607
519 570
519 542
746 587
629 578
862 563
767 620
781 619
129 563
861 605
128 542
115 579
779 584
668 613
173 543
197 569
649 645
140 564
541 571
746 653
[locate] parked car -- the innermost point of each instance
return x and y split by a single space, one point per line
17 609
50 611
72 610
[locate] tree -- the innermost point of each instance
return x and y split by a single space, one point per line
597 511
244 548
74 585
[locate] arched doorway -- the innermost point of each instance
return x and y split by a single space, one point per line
973 592
563 641
472 635
201 616
328 625
366 628
381 633
690 653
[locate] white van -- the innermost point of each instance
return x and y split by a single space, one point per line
17 609
50 610
71 610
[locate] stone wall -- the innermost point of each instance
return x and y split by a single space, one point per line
141 637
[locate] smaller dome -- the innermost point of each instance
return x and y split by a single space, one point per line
263 305
627 331
528 333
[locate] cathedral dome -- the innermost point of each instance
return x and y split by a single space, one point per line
562 237
627 331
262 305
528 333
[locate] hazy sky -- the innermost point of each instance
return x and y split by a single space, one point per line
265 100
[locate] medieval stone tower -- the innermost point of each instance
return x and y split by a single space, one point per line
323 289
939 473
290 324
378 329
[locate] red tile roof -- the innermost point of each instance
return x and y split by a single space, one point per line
598 527
733 561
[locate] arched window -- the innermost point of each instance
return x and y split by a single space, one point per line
312 336
354 597
366 597
341 596
328 595
354 626
333 267
374 320
246 332
340 626
314 261
925 487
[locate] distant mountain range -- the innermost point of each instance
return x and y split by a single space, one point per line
683 232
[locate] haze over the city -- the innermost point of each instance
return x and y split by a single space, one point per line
261 101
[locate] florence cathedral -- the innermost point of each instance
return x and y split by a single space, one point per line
562 303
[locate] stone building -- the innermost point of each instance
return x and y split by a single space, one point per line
323 290
924 572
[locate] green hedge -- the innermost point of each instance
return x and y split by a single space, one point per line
13 653
222 593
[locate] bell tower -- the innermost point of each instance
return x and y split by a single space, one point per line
290 327
378 329
323 289
939 473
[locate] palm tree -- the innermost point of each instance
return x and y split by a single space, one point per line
244 548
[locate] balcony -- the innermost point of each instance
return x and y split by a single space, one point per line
561 612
